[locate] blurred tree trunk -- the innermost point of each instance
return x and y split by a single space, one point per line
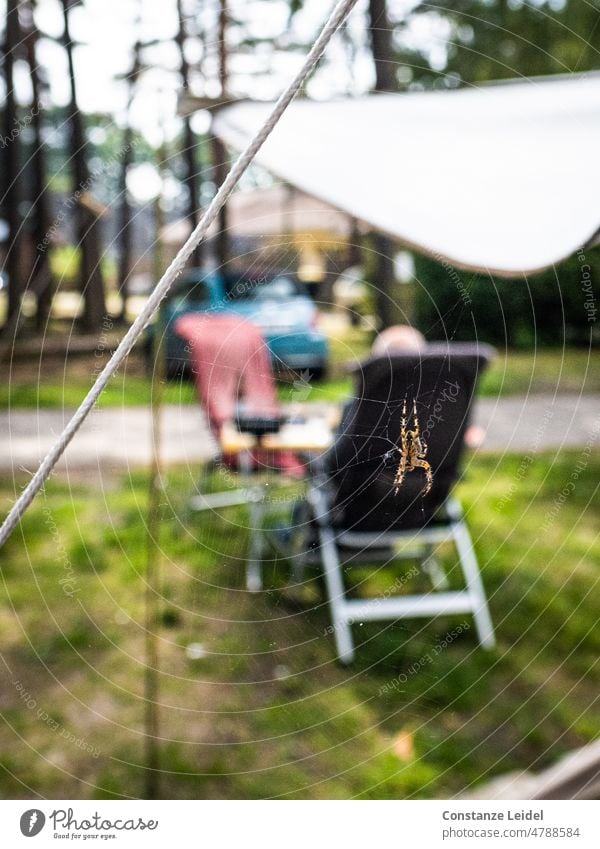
382 51
191 177
382 46
11 179
125 231
91 281
219 152
41 275
124 222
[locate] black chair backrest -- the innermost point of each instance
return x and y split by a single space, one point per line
362 463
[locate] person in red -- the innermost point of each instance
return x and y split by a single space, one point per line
232 369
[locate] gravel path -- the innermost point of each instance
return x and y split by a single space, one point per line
122 437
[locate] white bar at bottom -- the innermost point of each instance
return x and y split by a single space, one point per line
301 824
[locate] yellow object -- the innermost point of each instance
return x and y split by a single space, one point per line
311 268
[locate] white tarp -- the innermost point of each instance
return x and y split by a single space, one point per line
504 177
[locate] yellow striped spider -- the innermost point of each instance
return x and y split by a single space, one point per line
412 453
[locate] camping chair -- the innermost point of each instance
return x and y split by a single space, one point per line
355 510
232 370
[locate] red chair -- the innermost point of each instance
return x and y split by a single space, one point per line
230 362
232 369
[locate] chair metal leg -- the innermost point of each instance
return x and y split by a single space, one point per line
336 595
253 498
300 536
434 571
255 554
471 600
227 498
468 560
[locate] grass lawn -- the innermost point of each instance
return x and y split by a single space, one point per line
267 711
54 383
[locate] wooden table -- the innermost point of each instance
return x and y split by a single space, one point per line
312 436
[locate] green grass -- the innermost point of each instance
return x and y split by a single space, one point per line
129 390
57 385
268 711
521 372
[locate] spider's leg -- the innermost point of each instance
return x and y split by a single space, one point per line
400 474
421 451
416 420
423 464
428 478
403 425
403 448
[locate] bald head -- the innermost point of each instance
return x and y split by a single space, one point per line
399 339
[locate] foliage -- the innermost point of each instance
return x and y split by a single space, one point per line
486 40
546 309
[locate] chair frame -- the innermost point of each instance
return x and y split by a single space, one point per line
253 497
344 612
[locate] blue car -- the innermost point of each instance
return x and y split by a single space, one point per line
277 304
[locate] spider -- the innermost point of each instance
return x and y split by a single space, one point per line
412 453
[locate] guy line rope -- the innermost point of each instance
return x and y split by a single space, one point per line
337 17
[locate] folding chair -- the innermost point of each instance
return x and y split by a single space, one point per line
232 370
353 501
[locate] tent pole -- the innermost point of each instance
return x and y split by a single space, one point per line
153 553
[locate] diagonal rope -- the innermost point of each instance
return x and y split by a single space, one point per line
337 17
